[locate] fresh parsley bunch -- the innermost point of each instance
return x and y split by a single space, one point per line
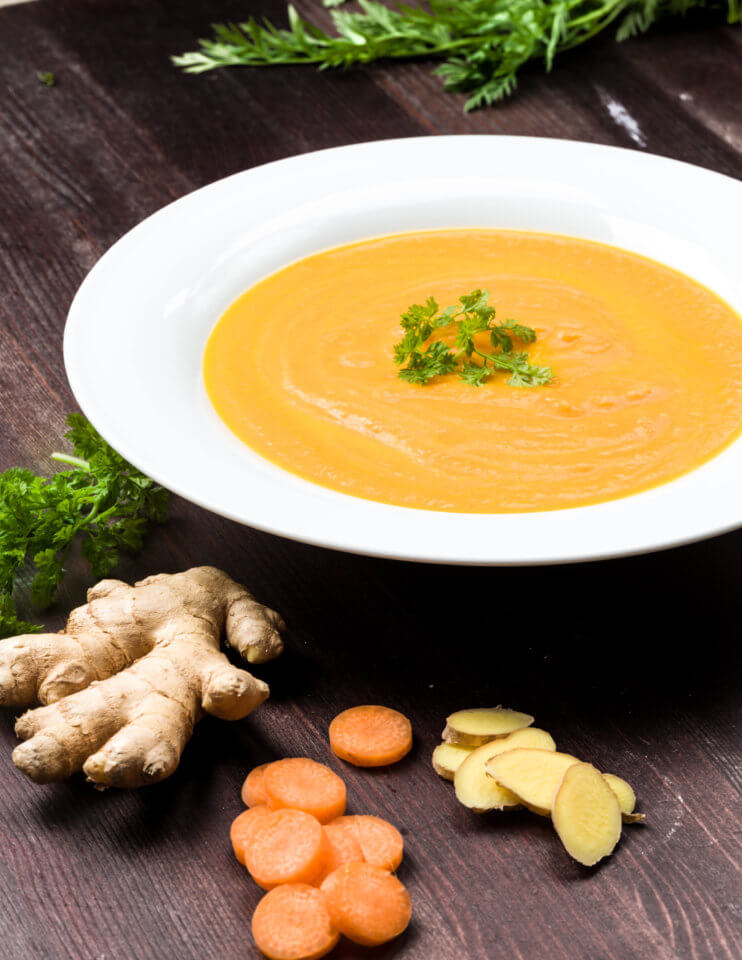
426 358
483 43
103 500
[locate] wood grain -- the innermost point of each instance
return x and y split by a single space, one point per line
633 664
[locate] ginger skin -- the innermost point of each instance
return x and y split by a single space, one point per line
134 669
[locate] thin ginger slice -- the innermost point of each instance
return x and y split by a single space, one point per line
586 814
448 757
626 798
472 728
532 775
478 791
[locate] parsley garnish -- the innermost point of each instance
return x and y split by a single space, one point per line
46 77
484 43
103 500
426 358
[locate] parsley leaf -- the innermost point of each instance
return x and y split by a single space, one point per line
423 365
483 44
474 373
426 358
103 502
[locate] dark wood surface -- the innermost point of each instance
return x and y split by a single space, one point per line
633 664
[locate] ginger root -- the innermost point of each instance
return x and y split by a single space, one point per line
124 683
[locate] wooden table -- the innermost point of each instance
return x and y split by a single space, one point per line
633 664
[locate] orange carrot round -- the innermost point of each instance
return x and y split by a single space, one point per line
380 842
344 846
253 793
367 904
243 828
292 923
286 846
299 783
370 736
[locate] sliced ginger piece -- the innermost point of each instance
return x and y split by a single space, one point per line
626 798
448 757
472 728
533 775
586 814
476 789
529 738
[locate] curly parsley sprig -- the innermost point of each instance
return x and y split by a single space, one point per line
483 44
426 358
103 501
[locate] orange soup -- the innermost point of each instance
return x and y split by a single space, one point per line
647 373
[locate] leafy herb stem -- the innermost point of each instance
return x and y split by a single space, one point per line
103 501
77 462
484 44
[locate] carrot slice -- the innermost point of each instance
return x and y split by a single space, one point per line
286 846
363 839
380 842
367 904
344 846
370 736
243 828
253 792
292 923
299 783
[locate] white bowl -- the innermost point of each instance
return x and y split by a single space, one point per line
137 328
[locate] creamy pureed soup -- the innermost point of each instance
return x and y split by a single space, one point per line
647 373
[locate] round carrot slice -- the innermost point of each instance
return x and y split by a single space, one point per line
367 904
253 793
243 828
342 838
370 736
380 842
299 783
286 846
292 923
